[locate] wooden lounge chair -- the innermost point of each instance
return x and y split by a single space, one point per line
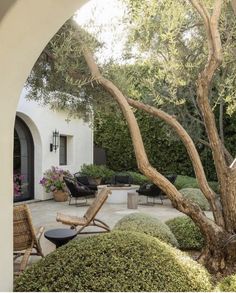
26 238
89 217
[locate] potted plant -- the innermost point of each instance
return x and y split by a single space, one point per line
97 172
53 182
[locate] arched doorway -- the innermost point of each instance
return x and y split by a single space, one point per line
23 164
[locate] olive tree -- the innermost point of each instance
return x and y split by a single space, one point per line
216 253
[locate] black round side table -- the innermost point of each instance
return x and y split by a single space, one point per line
60 236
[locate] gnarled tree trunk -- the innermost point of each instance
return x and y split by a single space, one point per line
217 232
214 255
228 199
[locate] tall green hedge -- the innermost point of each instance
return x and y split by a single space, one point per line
164 149
112 134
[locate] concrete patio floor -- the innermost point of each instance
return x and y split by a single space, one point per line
44 214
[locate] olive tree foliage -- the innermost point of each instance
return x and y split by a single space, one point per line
163 76
142 82
60 77
172 38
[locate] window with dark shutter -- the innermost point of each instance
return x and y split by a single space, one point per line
63 150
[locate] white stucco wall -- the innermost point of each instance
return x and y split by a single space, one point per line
26 27
42 122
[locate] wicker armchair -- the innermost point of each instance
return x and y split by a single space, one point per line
26 238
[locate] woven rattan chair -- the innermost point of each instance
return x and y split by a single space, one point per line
26 238
89 217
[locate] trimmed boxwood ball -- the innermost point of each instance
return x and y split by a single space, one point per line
186 232
191 182
228 284
196 196
140 222
116 261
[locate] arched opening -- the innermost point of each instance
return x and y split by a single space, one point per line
20 48
23 163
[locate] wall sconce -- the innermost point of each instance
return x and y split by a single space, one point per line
54 144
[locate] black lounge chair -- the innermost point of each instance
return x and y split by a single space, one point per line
153 191
76 191
86 181
172 178
150 190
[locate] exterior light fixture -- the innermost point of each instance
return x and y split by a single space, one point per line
54 144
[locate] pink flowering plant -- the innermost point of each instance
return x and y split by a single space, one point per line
53 179
17 182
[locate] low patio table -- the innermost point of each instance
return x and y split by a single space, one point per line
60 236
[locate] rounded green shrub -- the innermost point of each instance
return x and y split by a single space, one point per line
191 182
186 232
116 261
185 182
228 284
140 222
196 196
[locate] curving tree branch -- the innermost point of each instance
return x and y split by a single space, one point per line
192 152
204 82
178 200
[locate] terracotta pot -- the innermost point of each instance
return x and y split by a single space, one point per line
60 195
98 180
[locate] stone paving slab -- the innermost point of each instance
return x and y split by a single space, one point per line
44 214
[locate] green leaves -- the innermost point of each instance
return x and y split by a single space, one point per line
61 78
171 36
186 232
228 284
195 195
96 171
143 223
115 262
